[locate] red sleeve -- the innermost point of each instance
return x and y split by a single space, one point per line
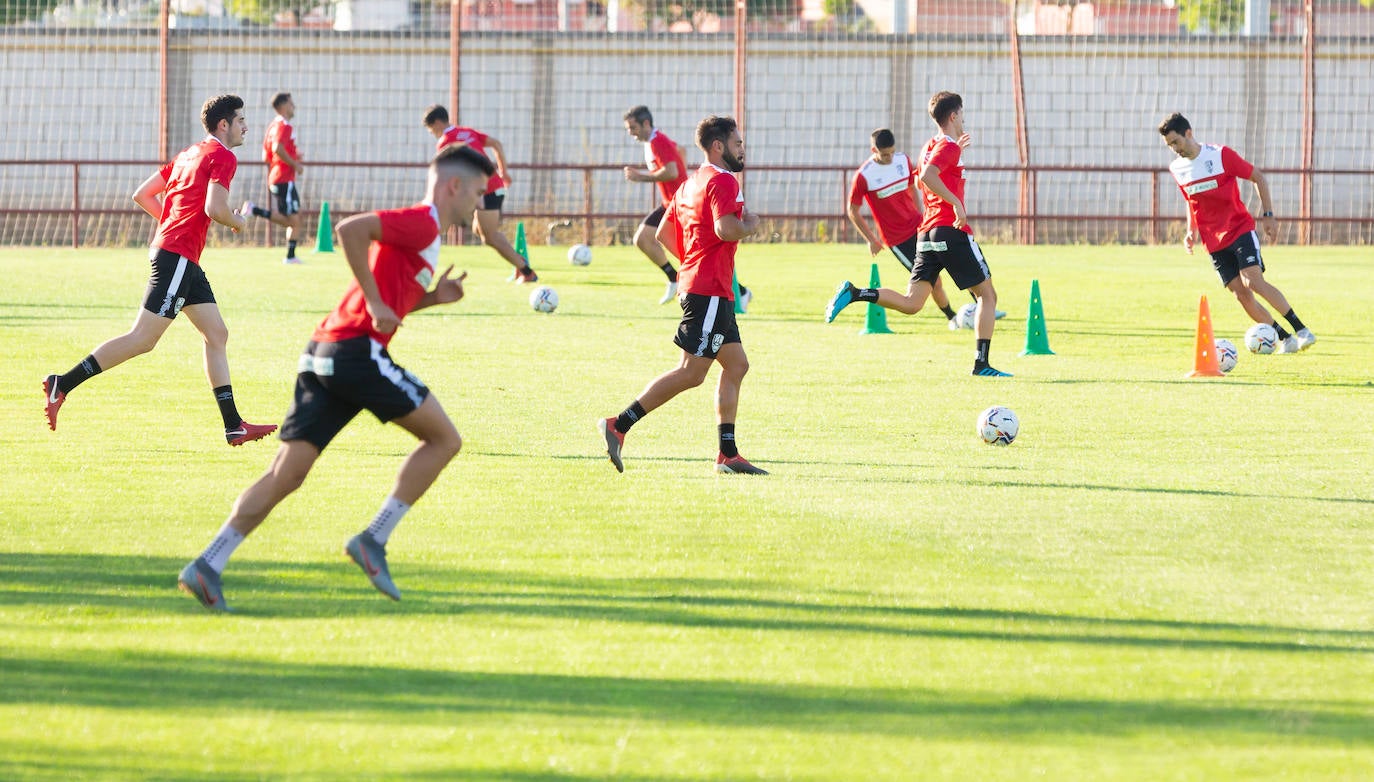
223 164
945 155
722 193
857 189
665 151
166 171
1234 164
408 229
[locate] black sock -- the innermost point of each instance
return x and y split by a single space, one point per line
981 360
949 312
1279 330
670 271
1292 319
727 440
866 294
627 419
224 395
291 248
260 212
87 369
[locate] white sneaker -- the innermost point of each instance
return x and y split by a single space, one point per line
246 211
1289 345
1305 338
292 261
745 296
669 293
954 323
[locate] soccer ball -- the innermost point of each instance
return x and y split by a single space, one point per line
544 299
968 315
1226 355
998 425
1261 338
579 255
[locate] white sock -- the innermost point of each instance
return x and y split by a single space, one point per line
217 553
386 519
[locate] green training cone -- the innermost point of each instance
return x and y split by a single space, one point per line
324 234
734 291
520 246
1037 339
875 322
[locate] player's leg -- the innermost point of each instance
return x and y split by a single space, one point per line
289 208
969 270
487 223
439 443
734 365
647 242
1245 296
204 314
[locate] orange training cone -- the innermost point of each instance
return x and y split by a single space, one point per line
1205 361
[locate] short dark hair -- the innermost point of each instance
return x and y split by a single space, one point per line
639 114
1174 123
220 107
462 160
943 104
883 138
279 99
435 113
713 129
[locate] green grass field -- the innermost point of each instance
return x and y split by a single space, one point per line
1162 579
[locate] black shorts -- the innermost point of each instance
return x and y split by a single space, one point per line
285 198
175 281
708 323
1242 253
946 247
906 252
337 380
654 218
494 200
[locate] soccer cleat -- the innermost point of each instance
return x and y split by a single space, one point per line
371 557
292 260
954 323
54 400
669 293
844 296
745 296
1288 344
989 372
614 440
247 433
999 314
736 465
1305 338
200 581
525 275
246 211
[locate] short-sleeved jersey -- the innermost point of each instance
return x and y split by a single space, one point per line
708 262
659 151
475 139
279 131
944 153
887 189
402 262
1208 184
183 224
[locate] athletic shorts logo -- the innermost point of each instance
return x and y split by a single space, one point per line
716 341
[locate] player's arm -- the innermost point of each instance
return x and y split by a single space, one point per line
500 153
279 149
356 235
930 177
856 217
667 173
668 233
217 208
446 290
730 228
1271 224
149 195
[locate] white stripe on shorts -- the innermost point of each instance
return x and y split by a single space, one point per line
173 286
978 256
395 374
902 259
708 323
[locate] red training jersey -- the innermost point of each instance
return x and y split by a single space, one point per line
279 131
183 224
659 151
887 190
475 139
402 262
708 262
943 152
1208 184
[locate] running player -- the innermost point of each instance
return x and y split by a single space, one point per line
1206 175
283 165
945 241
184 196
666 166
702 227
346 369
488 219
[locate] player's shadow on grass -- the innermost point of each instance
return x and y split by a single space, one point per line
1161 490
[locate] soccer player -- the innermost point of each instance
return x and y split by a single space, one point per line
1206 175
488 219
665 166
945 240
702 226
346 369
283 164
887 183
184 196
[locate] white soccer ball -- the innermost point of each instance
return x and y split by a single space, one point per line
968 316
579 255
1227 355
544 299
998 425
1261 338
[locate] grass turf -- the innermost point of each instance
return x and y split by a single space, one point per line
1161 579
